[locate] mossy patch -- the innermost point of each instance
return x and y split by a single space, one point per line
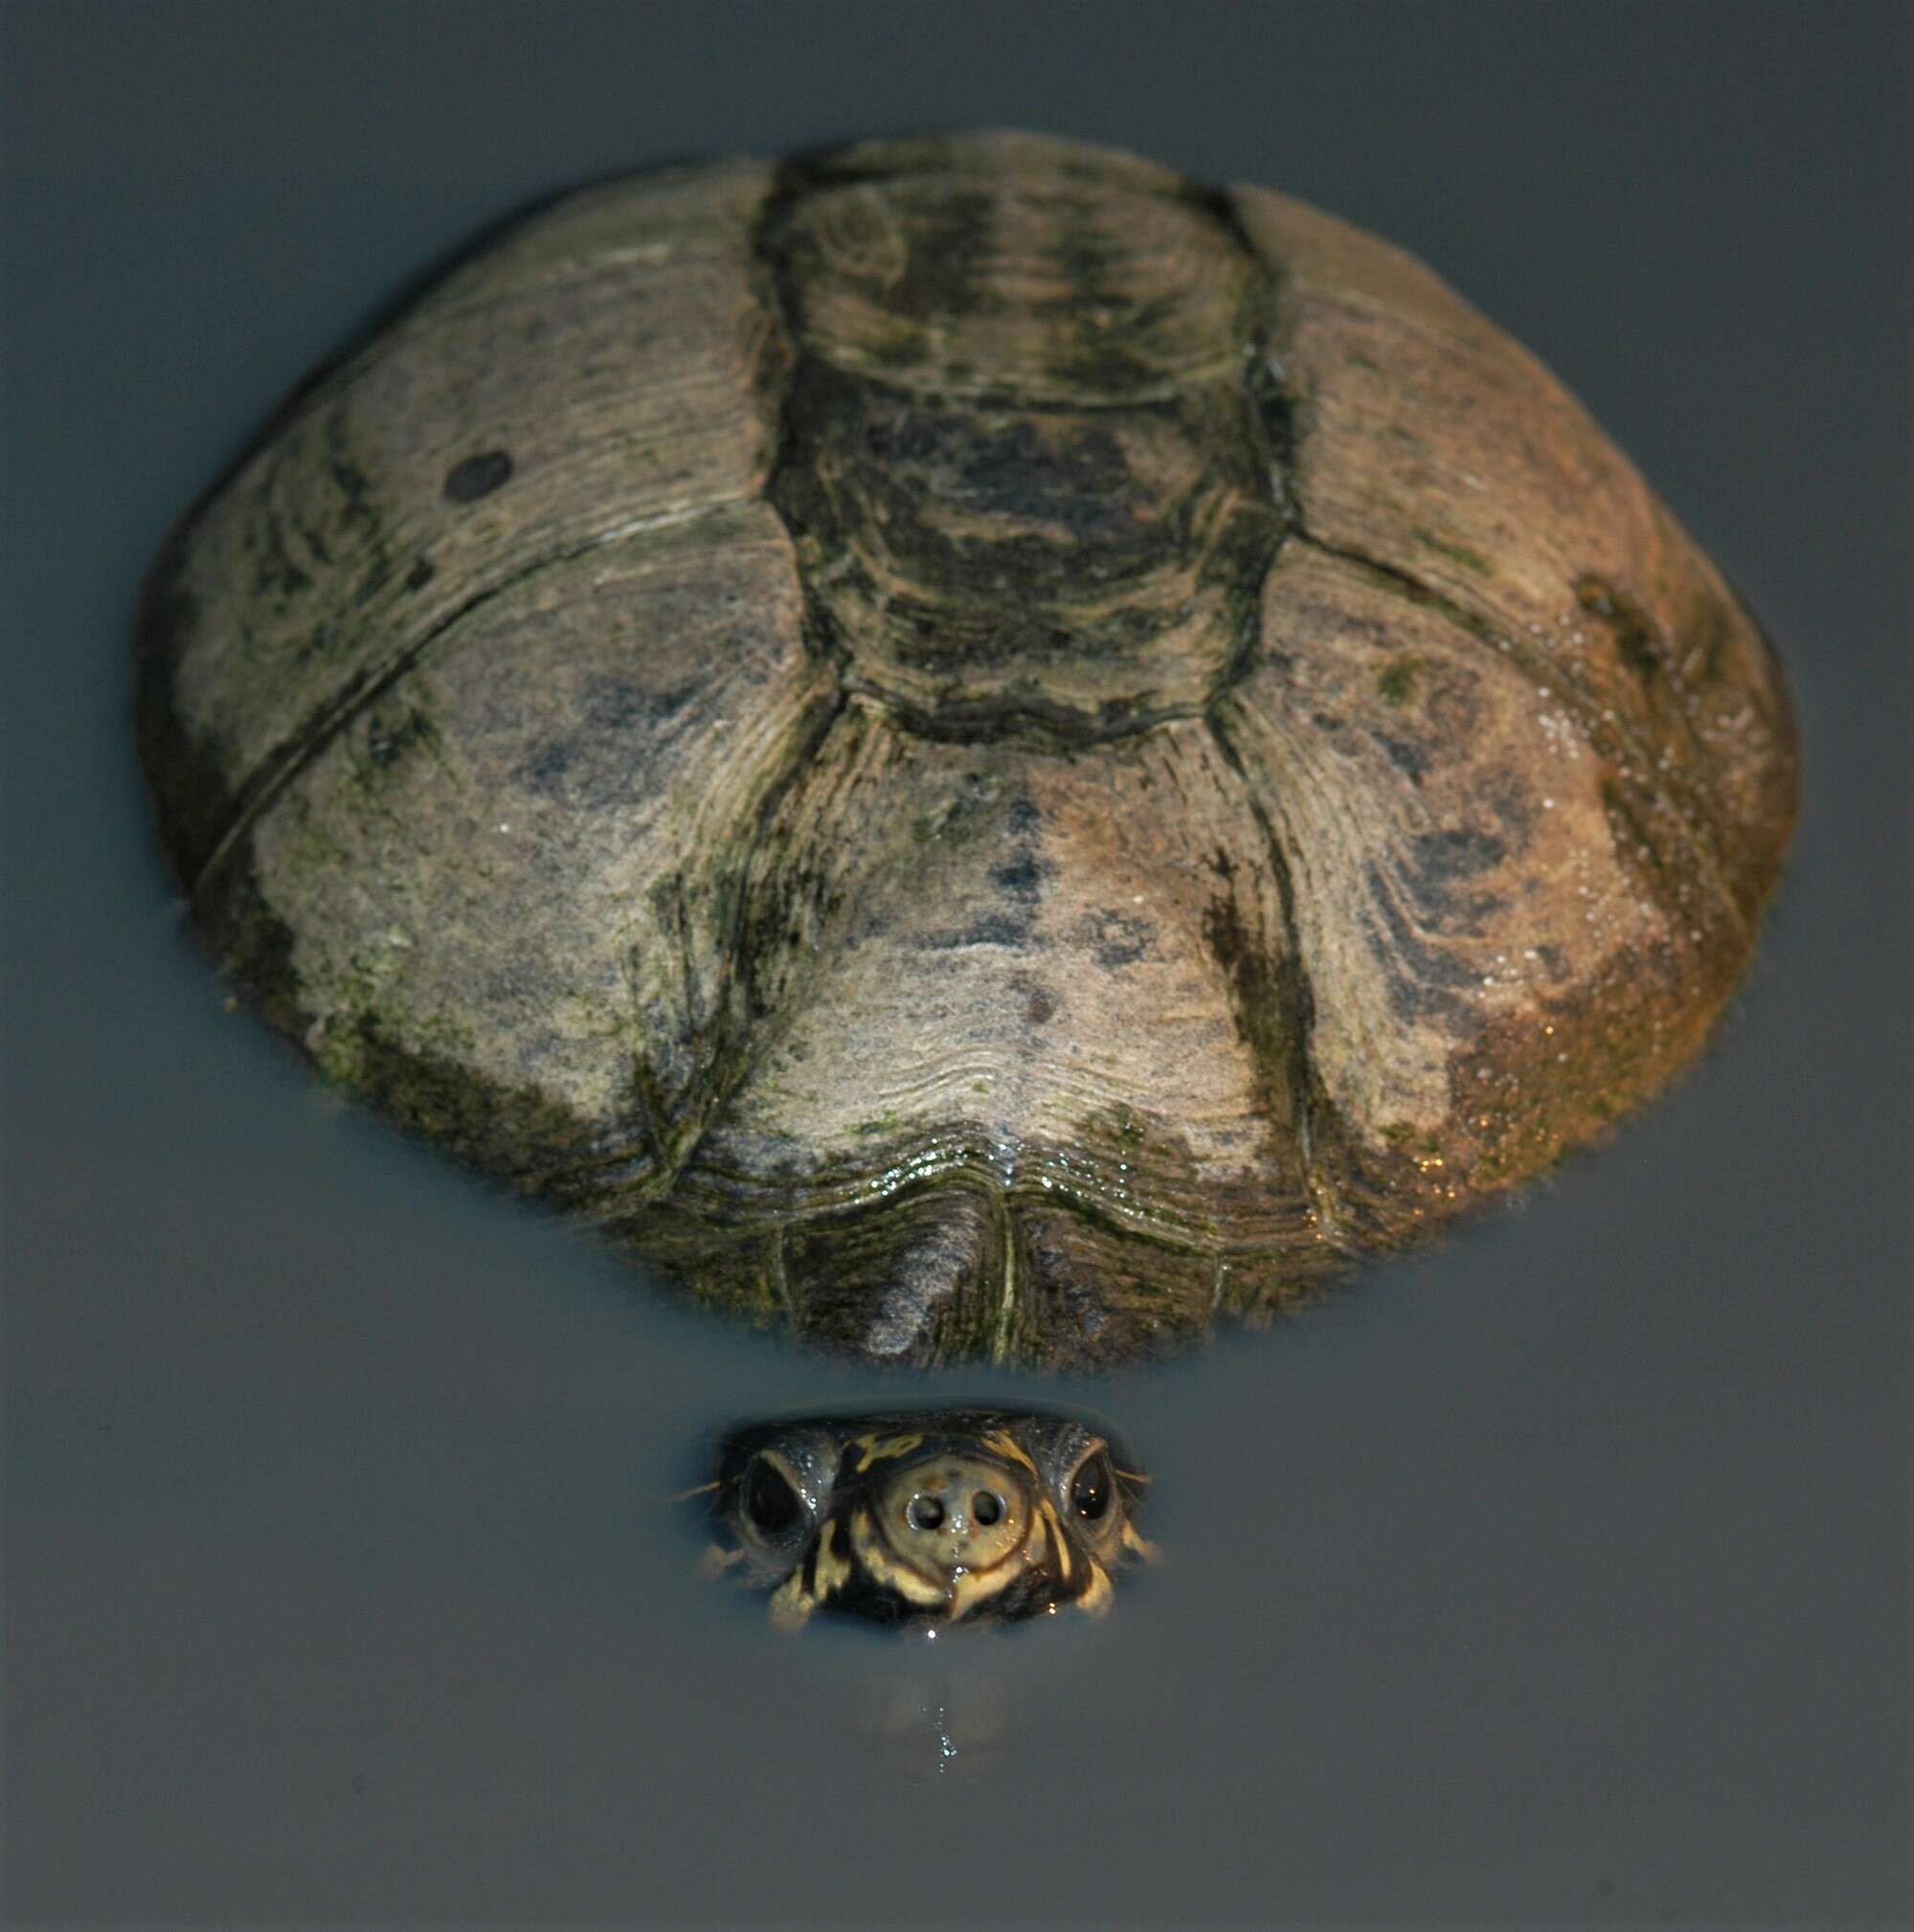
519 1134
1461 554
1638 642
1395 681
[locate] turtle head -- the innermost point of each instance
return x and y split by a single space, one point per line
925 1516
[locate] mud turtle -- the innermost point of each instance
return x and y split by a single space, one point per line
965 743
925 1516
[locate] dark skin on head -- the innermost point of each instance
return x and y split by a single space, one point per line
924 1516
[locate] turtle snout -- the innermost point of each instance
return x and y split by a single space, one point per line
955 1511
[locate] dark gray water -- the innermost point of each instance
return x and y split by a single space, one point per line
1558 1577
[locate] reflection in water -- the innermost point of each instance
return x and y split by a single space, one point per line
937 1722
924 1516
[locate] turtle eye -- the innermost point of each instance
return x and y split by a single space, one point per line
1093 1487
769 1500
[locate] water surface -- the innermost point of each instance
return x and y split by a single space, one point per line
1559 1575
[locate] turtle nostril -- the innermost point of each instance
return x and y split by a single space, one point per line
985 1507
925 1513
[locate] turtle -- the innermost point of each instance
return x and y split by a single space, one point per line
964 744
925 1516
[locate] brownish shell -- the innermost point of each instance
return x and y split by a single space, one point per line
966 742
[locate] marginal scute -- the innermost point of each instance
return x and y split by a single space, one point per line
918 1277
1093 1295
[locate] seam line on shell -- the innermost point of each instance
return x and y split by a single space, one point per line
650 1097
1262 393
796 176
728 1063
1006 1303
1302 1076
259 790
1487 633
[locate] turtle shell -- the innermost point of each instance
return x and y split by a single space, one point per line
965 743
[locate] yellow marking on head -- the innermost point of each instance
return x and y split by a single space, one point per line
879 1449
1046 1515
832 1571
791 1604
716 1560
884 1567
1095 1597
1138 1546
1141 1546
973 1589
1039 1538
998 1442
791 1607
